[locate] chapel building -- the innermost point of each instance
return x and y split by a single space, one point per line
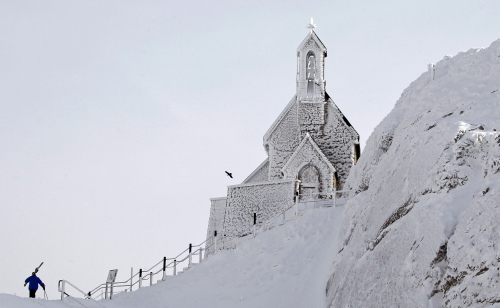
311 147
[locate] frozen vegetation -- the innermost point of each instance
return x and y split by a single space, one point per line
421 227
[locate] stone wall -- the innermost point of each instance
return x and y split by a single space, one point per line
266 199
282 142
309 154
336 139
215 222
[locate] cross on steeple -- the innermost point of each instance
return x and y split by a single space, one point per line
311 25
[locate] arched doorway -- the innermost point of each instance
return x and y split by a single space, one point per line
309 182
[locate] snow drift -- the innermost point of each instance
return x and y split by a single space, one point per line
421 228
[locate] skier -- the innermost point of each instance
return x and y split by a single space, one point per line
33 281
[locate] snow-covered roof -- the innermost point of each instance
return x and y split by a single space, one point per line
280 118
341 115
256 171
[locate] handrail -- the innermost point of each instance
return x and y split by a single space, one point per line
209 243
61 287
149 273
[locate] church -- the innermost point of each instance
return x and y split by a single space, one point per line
310 148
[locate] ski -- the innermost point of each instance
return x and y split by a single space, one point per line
36 269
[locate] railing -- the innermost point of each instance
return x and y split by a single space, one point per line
172 264
292 209
164 266
61 287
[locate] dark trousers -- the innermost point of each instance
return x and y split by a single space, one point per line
32 293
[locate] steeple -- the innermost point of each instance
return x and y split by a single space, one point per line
311 55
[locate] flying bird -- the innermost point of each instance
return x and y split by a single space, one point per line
229 174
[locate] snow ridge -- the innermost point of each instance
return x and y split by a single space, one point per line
422 227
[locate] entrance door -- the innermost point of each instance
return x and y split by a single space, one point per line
309 183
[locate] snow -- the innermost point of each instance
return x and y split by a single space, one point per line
287 266
423 222
420 228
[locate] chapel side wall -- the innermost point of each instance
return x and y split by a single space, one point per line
282 143
337 140
215 222
265 199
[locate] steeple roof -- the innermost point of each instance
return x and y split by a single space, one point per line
312 36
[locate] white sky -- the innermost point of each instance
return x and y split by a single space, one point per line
119 118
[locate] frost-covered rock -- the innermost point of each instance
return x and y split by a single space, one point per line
422 227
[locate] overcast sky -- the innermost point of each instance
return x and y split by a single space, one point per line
119 118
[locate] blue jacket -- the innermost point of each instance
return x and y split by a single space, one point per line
34 281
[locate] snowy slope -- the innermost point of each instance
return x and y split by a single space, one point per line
420 230
287 266
423 229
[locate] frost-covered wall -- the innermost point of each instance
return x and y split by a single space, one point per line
307 154
328 128
282 139
265 199
216 221
336 139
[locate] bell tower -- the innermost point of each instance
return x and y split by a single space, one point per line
311 55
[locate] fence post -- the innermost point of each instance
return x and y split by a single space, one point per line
284 212
334 197
111 291
175 267
61 288
254 222
164 268
140 278
150 278
131 277
106 291
190 254
201 252
215 241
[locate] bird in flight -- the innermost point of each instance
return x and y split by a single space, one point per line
229 174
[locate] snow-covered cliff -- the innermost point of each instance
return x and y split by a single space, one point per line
422 228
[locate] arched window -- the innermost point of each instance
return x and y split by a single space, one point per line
310 72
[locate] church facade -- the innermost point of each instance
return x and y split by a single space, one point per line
311 147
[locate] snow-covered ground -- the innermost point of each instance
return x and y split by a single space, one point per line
423 229
287 266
